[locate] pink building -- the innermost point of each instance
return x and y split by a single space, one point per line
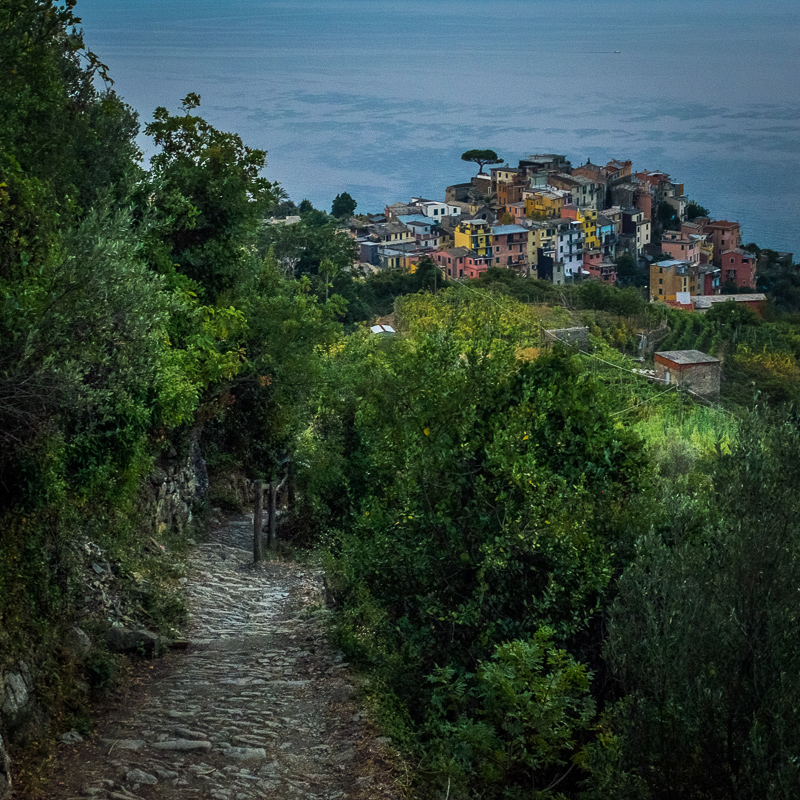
517 210
738 266
681 247
509 246
724 236
598 268
460 262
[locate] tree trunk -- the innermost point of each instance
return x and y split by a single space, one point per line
258 519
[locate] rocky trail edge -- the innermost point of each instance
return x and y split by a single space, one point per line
259 705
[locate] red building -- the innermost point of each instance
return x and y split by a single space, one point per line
739 267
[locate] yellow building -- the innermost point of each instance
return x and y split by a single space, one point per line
544 203
667 278
588 219
542 236
475 235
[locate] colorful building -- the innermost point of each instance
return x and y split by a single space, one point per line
607 236
724 236
669 278
435 209
738 267
545 203
542 239
597 267
585 192
681 247
475 235
426 232
461 262
588 220
569 246
636 229
509 246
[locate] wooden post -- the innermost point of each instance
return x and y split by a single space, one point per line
271 516
272 511
258 521
290 488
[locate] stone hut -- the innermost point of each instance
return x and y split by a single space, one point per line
697 371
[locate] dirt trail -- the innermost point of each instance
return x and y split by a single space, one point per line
258 706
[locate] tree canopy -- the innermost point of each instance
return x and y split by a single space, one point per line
343 205
481 158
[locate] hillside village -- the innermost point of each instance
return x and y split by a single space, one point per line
546 219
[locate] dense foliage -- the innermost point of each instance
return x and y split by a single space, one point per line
563 579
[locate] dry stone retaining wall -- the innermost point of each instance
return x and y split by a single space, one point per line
169 501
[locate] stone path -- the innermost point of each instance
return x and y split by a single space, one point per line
258 706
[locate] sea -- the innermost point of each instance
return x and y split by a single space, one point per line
379 98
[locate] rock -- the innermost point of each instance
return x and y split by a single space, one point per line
70 737
188 733
343 694
165 774
182 744
78 642
5 772
246 753
137 777
16 694
130 640
124 744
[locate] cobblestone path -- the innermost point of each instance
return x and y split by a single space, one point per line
258 706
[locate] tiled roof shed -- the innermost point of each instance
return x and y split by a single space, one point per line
684 357
694 369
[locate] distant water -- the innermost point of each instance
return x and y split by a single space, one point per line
380 98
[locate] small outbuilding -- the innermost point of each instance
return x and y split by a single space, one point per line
697 371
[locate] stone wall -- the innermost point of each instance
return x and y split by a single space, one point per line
5 772
176 488
704 379
15 703
170 499
572 337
